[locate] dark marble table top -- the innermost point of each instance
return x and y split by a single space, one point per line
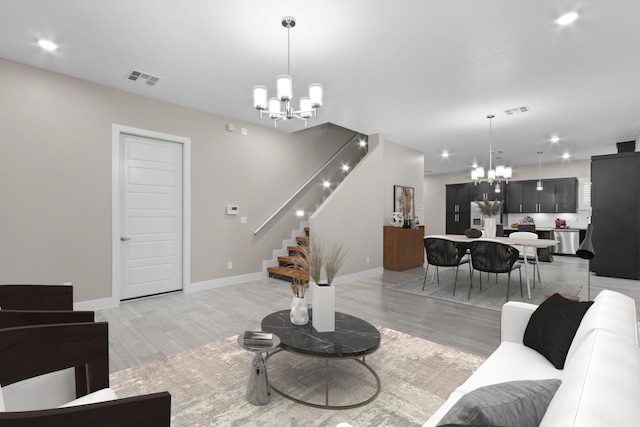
353 337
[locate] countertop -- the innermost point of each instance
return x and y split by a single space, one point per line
548 229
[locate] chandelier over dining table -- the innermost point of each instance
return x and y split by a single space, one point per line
280 107
498 174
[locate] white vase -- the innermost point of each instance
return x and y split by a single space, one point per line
299 311
324 308
490 227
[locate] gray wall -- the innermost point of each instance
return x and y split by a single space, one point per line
55 190
357 211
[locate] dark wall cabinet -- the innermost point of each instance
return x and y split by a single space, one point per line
458 208
557 195
566 195
484 190
615 204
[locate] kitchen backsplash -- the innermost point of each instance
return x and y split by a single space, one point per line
580 219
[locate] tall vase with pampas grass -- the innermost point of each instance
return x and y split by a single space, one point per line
331 258
490 210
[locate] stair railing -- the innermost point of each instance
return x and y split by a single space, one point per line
307 182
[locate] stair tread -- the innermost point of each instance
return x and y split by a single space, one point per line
297 251
286 271
291 259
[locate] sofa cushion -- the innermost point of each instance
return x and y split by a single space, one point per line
613 312
41 392
600 385
102 395
552 327
510 362
443 409
521 403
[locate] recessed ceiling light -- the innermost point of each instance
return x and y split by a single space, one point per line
567 18
48 45
554 139
566 156
445 154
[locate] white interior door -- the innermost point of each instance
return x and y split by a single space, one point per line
151 216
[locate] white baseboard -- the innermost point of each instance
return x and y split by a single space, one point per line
96 304
226 281
347 278
101 304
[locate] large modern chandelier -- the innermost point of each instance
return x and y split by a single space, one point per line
279 107
499 173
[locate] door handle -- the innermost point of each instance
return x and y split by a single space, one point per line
125 238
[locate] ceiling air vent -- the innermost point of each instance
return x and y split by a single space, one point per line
517 110
142 77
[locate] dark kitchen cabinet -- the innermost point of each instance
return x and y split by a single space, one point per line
557 195
530 197
458 198
513 204
615 203
484 190
522 197
458 208
566 195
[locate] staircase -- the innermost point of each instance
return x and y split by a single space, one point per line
284 270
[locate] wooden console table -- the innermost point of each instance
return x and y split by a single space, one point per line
403 248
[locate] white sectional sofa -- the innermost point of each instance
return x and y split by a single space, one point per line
601 374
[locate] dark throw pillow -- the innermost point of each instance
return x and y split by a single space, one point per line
515 403
472 233
552 327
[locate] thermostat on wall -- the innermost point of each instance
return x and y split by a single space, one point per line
232 209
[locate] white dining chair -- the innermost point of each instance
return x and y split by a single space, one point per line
528 255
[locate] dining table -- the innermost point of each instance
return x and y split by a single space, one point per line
512 241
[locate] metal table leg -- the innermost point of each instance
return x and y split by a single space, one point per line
258 392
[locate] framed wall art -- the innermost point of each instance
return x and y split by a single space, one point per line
403 201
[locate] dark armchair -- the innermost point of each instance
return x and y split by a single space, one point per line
51 355
31 351
36 297
491 256
443 252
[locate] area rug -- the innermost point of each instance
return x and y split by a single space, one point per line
208 384
494 293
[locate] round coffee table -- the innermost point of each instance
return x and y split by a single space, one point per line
353 339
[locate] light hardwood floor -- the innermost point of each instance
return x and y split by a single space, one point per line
156 327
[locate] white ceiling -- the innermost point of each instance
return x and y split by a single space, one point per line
423 73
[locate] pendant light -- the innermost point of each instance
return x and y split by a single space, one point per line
499 173
279 107
539 186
